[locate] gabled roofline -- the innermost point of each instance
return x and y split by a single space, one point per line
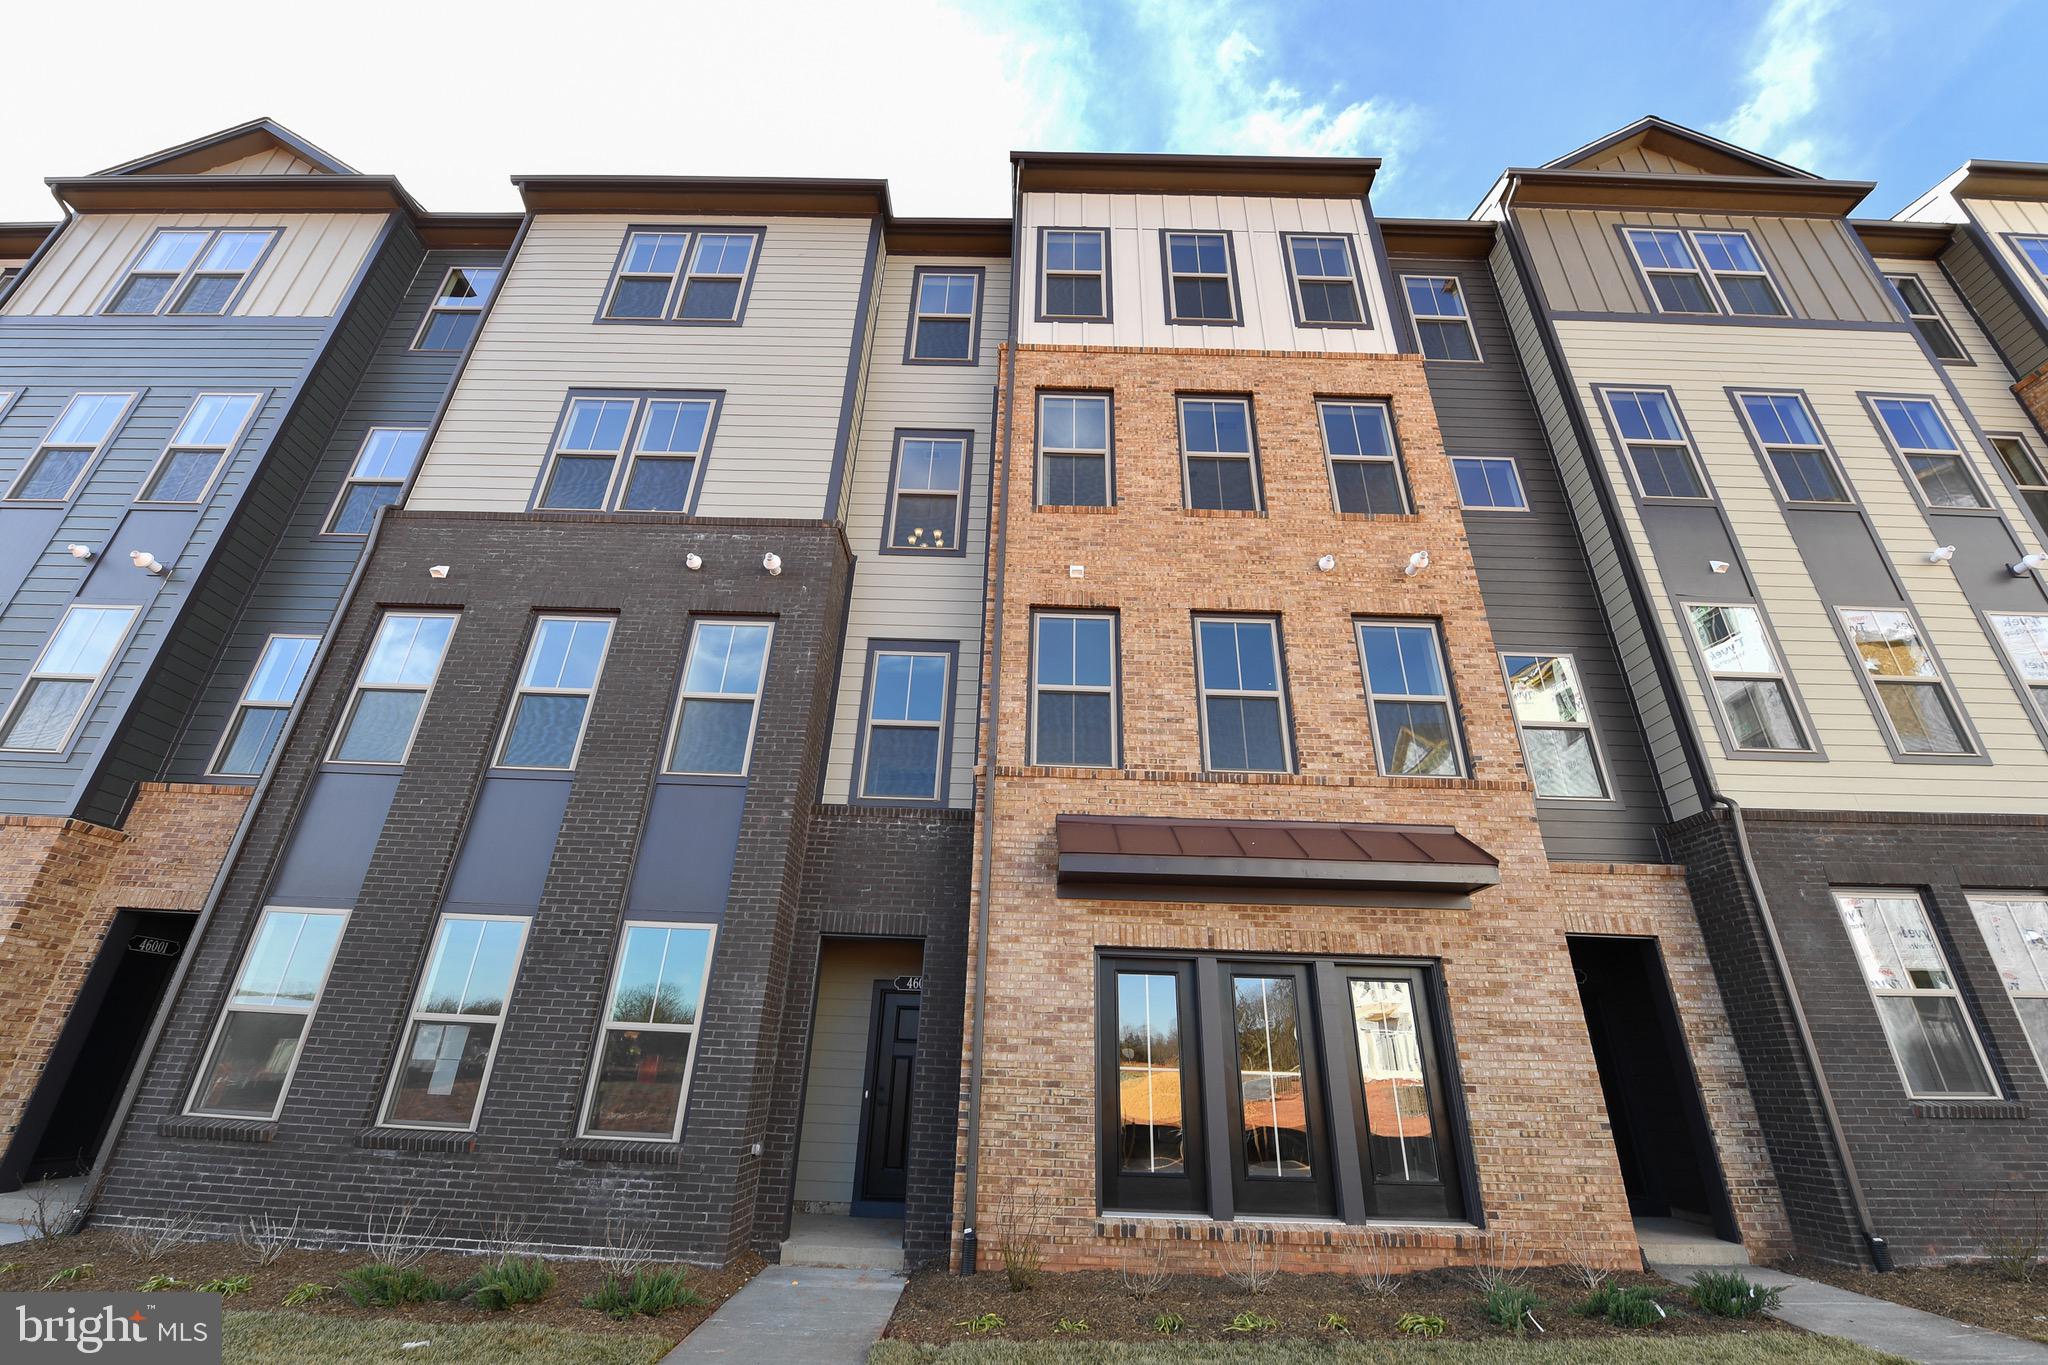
2000 180
703 194
1312 177
1538 186
1659 128
228 141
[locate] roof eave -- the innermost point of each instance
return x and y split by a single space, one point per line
703 194
1537 186
1311 177
237 193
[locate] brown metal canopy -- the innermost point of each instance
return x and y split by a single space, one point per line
1272 853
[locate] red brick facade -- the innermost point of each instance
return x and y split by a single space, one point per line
2032 391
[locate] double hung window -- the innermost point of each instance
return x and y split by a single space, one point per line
1074 690
1073 450
1414 730
53 698
1913 698
190 271
1556 722
257 1043
1918 1005
457 1019
1218 468
647 1046
721 695
1365 468
1443 325
458 308
199 447
1747 682
392 690
1921 436
552 706
1244 702
265 704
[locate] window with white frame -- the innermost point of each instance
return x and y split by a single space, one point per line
1660 454
1243 701
2025 640
646 276
2015 929
1073 450
1073 689
721 692
2029 476
1200 284
53 697
1489 483
1074 285
1912 694
192 271
905 738
1921 311
1365 468
1325 280
716 281
1739 273
262 1031
1408 695
265 704
648 1045
929 499
2035 249
1931 1036
67 450
458 1014
1217 463
1921 436
943 310
1798 458
377 478
1443 326
552 706
1556 723
199 447
391 691
1747 682
458 308
1667 263
659 440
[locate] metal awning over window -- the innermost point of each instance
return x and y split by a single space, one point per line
1319 855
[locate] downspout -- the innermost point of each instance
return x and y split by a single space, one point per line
970 1180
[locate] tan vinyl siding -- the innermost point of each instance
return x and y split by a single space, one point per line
1638 159
1985 384
275 161
1699 363
2025 217
827 1157
907 597
306 272
783 370
2003 312
1137 270
1584 266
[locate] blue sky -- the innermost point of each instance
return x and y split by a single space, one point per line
932 93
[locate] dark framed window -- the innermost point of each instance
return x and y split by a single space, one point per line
458 308
646 275
1074 689
1915 703
903 746
1324 272
1667 263
1151 1117
1920 436
1415 728
2029 476
1800 463
714 285
200 447
629 453
376 479
1201 278
1443 325
928 493
190 271
683 274
1243 695
1074 467
1747 681
1219 463
1920 309
945 316
1073 284
1365 465
1739 273
1489 483
1659 454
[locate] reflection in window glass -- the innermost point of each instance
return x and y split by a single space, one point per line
906 713
455 1023
1400 1137
1916 997
721 689
1755 701
2016 931
1074 679
1243 713
1414 732
1149 1073
1275 1116
650 1033
257 1044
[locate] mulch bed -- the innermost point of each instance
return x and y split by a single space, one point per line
1968 1293
935 1306
115 1267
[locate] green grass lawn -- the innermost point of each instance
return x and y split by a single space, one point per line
1767 1349
304 1338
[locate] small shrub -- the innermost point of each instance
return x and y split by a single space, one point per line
69 1275
1071 1327
148 1238
1502 1261
157 1284
1376 1266
650 1293
227 1286
1256 1277
266 1238
981 1324
1630 1306
381 1286
1334 1322
1144 1278
1021 1260
512 1281
1729 1294
1420 1325
1507 1303
1167 1324
2016 1252
628 1247
305 1294
398 1236
1249 1321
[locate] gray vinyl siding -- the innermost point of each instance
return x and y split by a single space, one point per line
1606 558
1534 579
2000 220
307 573
2005 315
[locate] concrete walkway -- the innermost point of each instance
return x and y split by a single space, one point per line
789 1314
18 1209
1877 1324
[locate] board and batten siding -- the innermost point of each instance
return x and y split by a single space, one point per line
828 1158
272 161
1636 159
1698 363
1583 265
1137 270
918 597
1533 576
305 274
783 370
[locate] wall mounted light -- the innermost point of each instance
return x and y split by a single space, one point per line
1077 570
148 563
1941 554
693 561
80 553
2027 564
1417 562
1327 563
438 571
1718 565
772 562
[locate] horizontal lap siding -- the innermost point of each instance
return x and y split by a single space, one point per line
783 370
2006 315
2029 219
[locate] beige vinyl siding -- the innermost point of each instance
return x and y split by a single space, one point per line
1584 266
783 370
911 597
1137 270
275 161
1699 363
2026 217
1985 384
306 272
827 1155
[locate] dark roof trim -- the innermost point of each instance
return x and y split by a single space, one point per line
947 236
2003 180
1886 237
291 193
446 231
229 144
1538 187
702 194
1685 144
1328 855
22 239
1313 177
1437 236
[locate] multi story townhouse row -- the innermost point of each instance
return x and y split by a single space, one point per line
1189 717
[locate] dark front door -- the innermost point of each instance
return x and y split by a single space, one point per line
885 1117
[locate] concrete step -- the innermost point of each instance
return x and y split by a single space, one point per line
849 1243
1676 1242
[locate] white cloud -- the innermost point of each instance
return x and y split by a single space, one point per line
1792 45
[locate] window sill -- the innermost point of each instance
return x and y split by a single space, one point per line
622 1152
200 1129
1968 1109
417 1140
1064 509
1332 1232
1221 513
1383 518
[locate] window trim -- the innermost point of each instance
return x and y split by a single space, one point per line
958 548
1449 699
1763 272
2038 1046
1592 729
131 400
1706 675
435 307
1645 274
679 281
1279 693
2037 710
221 462
949 650
607 1002
1186 1194
1988 506
917 277
96 685
356 688
1398 459
2013 486
1251 428
1114 691
521 690
415 1015
242 704
1954 990
2024 261
1849 502
1415 322
352 480
1166 236
1973 753
629 452
1044 272
1934 315
1295 281
1708 494
182 281
1108 398
227 1007
684 695
1514 465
